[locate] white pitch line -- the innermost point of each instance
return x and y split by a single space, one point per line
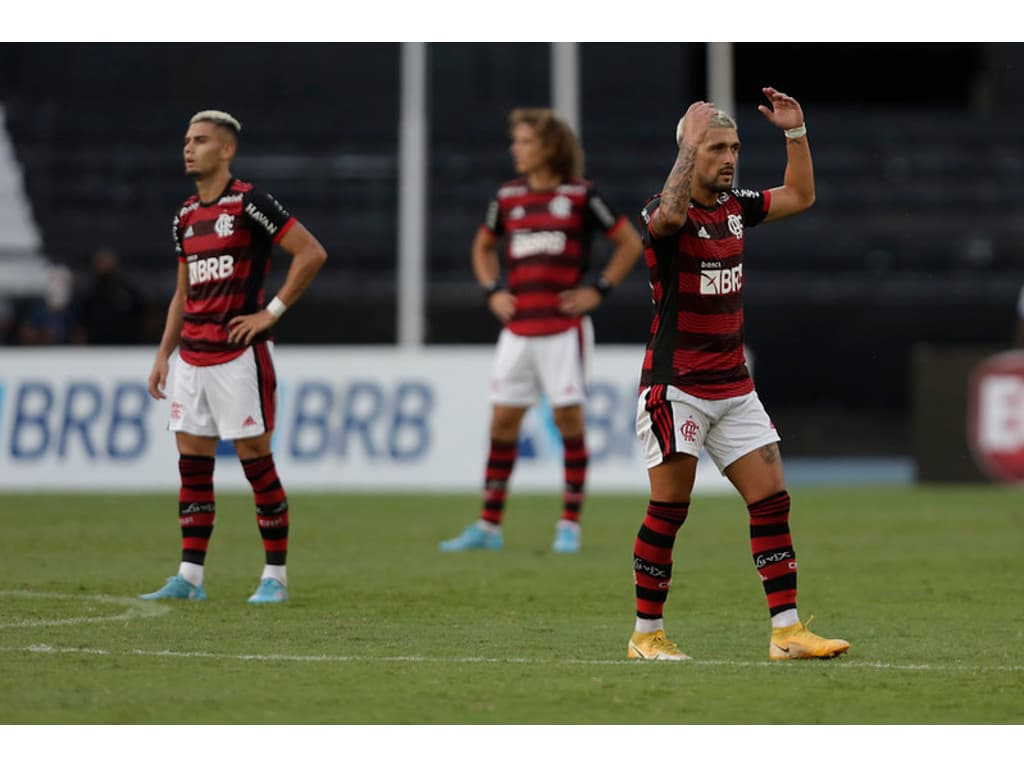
205 655
134 609
138 609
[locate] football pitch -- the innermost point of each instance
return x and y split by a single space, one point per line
382 628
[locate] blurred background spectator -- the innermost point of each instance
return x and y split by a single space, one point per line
50 318
7 320
111 309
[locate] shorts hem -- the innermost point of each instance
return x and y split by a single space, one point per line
737 455
660 459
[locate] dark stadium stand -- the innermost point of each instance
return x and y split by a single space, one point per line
915 236
98 130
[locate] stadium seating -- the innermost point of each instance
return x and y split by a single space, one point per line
98 131
914 231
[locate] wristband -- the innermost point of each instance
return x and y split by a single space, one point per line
491 288
604 286
796 133
276 307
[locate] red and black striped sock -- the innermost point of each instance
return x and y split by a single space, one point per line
196 507
271 507
575 477
652 556
772 548
500 461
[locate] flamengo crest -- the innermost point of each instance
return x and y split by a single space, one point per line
225 225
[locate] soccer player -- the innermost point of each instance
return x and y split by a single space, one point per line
548 217
695 389
224 385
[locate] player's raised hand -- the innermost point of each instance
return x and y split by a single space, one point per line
694 124
784 112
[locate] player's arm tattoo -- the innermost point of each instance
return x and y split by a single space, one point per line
675 195
770 453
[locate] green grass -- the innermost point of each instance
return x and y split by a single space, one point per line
925 583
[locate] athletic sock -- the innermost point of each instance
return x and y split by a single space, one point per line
772 547
271 507
278 572
575 477
501 459
652 556
196 512
191 573
649 625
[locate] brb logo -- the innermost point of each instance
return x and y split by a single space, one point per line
211 268
535 243
996 416
718 281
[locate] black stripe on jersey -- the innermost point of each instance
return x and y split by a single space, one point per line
203 227
201 345
539 286
662 366
211 290
603 215
254 281
710 342
548 259
207 318
492 220
715 377
710 304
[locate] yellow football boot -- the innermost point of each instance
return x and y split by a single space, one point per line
797 642
654 646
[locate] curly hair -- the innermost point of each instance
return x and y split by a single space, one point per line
554 134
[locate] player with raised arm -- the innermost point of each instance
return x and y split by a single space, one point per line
695 389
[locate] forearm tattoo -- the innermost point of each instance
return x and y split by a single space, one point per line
676 192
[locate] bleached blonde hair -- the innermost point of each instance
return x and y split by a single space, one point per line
718 120
217 117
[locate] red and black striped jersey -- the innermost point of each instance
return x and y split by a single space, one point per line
226 245
696 275
549 237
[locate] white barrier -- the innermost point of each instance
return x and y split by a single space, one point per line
349 419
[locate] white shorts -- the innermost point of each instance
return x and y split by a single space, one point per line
671 421
232 400
557 365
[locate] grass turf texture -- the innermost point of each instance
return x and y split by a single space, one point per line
384 629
